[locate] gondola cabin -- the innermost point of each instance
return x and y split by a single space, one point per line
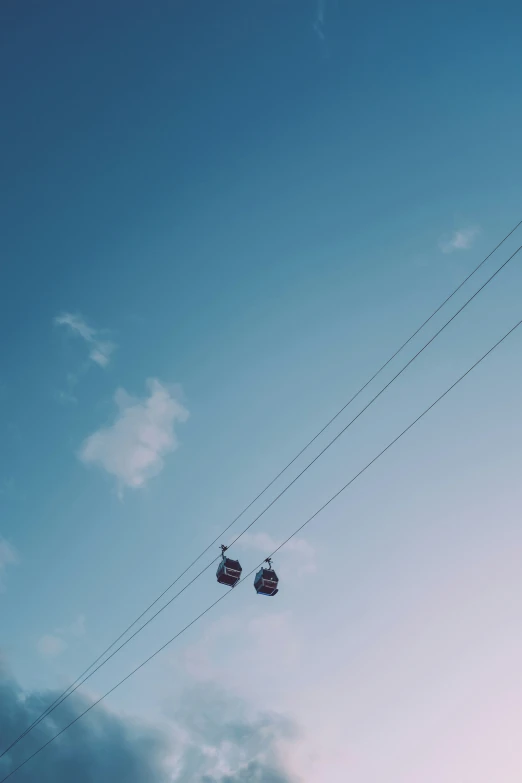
229 571
266 581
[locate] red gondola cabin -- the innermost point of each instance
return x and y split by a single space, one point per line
229 571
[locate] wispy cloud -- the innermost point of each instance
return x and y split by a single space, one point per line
54 644
50 646
264 544
8 557
77 628
133 447
462 239
66 396
100 350
319 20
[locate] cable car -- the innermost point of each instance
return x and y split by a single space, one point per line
266 581
229 571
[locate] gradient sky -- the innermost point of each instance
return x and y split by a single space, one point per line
218 219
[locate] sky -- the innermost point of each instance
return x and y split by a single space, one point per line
218 220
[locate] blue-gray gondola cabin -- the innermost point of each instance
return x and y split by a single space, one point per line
266 582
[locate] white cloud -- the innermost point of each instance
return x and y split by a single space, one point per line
101 350
462 239
50 646
265 544
133 447
8 557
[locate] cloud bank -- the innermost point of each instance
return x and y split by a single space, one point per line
133 447
101 747
210 738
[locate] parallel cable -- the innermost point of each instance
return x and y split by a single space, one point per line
77 685
82 677
284 543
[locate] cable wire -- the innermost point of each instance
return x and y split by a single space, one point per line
284 543
82 677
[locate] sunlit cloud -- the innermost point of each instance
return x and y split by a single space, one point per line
222 740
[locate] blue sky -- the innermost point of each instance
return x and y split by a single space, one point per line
218 220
